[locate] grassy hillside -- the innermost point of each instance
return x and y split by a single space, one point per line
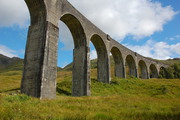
10 64
168 61
171 61
123 99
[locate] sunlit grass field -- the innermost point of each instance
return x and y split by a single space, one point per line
123 99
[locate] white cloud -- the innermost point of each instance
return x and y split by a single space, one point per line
7 51
93 54
157 50
176 37
120 18
13 12
65 37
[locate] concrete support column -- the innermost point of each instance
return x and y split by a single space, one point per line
133 71
148 75
144 73
119 70
81 72
103 68
136 72
40 63
124 67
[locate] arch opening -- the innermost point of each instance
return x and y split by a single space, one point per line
65 60
102 59
153 71
142 69
93 58
80 80
76 30
118 63
130 67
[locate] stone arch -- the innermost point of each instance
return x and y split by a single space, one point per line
102 59
142 69
153 71
119 64
80 83
131 66
76 30
40 64
37 10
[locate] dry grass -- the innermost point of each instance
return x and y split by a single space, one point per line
123 99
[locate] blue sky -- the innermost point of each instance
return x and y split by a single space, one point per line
149 27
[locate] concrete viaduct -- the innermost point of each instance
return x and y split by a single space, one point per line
40 70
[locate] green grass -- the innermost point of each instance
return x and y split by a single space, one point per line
123 99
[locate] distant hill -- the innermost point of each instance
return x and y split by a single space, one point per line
93 64
69 66
12 64
171 61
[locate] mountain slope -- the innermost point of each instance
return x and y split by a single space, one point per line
10 64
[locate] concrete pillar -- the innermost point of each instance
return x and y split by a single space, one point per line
81 72
135 72
124 67
143 72
119 70
40 63
148 75
103 68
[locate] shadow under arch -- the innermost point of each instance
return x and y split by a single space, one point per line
153 71
102 59
142 69
81 81
119 64
130 66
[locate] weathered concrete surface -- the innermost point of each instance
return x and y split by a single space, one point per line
39 76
